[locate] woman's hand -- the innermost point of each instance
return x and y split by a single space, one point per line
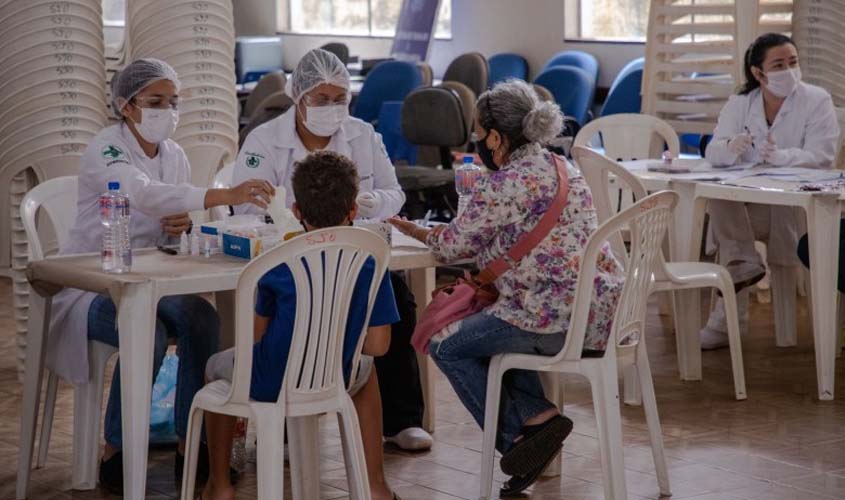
175 225
255 191
409 228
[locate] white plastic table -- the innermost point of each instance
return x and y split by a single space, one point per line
155 275
822 209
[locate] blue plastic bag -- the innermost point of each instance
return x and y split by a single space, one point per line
162 421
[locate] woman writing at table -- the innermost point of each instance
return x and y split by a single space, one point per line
779 121
153 170
532 312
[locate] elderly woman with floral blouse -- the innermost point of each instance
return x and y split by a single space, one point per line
532 312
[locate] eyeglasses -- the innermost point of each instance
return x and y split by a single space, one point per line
321 101
156 102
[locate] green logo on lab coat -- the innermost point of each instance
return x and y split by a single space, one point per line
112 152
253 160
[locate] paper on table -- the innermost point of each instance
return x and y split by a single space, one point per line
798 174
403 241
700 170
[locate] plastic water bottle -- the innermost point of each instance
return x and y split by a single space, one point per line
114 215
465 177
239 459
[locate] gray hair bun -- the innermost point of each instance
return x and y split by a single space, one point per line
543 123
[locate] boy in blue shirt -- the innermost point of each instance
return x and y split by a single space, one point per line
325 186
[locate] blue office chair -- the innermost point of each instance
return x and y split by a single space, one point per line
506 66
390 127
624 95
388 81
572 89
576 58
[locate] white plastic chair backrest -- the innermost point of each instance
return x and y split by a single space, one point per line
839 162
630 136
598 170
57 197
325 265
647 220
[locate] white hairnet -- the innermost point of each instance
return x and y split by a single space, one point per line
315 68
136 76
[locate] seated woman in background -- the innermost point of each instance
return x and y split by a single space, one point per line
532 312
153 170
778 120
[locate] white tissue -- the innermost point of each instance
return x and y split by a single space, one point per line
282 216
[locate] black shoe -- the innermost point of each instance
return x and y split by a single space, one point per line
538 443
111 474
517 484
202 467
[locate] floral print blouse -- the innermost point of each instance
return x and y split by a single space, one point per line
537 294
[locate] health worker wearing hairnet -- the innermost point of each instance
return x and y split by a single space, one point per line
154 172
320 120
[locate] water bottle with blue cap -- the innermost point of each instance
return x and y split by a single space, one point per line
114 216
465 177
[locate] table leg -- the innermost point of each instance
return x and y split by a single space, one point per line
684 245
224 301
421 282
136 318
38 329
823 228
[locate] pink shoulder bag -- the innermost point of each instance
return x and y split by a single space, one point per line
471 294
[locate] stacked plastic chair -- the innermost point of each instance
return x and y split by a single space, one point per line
198 40
819 31
52 102
688 39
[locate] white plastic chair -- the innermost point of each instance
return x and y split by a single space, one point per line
222 180
839 162
325 265
647 220
57 198
630 136
669 276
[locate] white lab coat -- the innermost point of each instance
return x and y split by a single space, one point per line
805 127
157 187
271 150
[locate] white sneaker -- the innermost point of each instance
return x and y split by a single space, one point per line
412 439
713 339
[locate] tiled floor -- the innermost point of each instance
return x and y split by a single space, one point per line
780 444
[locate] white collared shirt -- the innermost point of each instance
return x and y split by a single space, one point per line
805 127
271 150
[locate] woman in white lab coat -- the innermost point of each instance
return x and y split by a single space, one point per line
154 172
777 120
319 120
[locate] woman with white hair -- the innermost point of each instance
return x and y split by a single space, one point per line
319 120
531 314
154 171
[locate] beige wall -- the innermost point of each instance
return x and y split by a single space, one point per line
533 28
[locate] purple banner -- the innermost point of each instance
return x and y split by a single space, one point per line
415 30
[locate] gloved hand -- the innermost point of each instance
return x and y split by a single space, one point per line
368 205
771 154
740 144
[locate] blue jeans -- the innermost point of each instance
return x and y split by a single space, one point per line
464 358
192 321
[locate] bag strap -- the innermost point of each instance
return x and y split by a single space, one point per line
529 241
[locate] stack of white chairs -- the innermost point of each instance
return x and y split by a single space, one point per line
197 38
52 102
819 31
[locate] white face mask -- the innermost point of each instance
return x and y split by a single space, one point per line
782 83
157 124
324 121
